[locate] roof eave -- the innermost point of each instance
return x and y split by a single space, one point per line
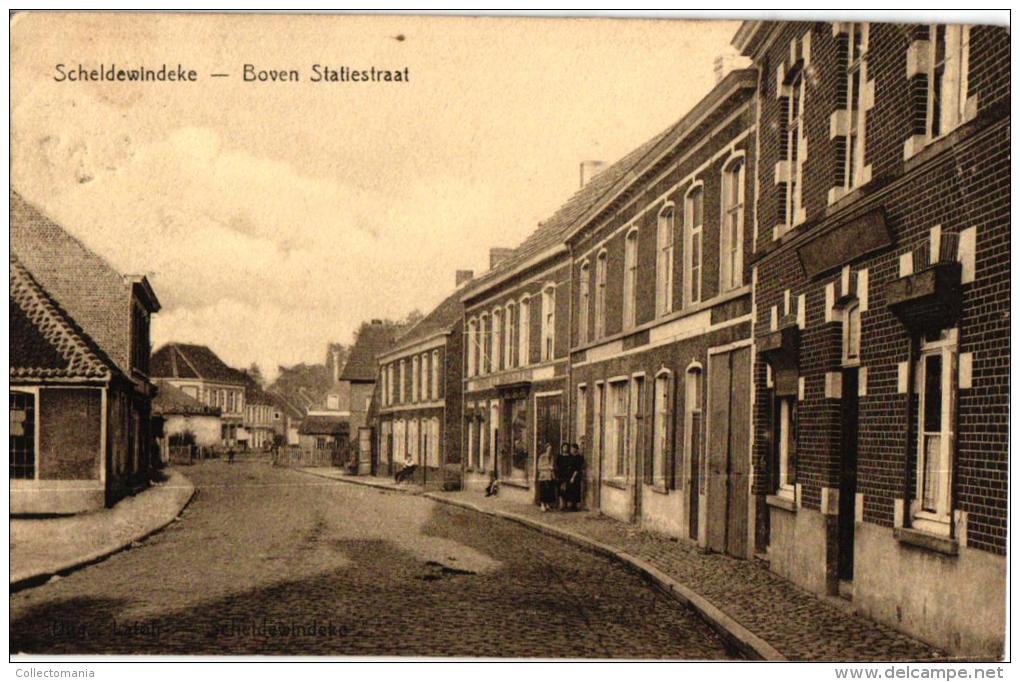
748 37
551 252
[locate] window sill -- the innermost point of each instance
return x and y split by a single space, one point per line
935 543
614 484
658 488
781 502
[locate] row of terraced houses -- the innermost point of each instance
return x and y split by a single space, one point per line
779 329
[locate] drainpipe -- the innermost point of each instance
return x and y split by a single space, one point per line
908 408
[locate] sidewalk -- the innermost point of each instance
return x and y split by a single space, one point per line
42 548
763 614
381 482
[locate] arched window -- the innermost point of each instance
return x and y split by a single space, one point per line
497 338
661 420
472 347
435 374
548 322
693 391
731 251
852 333
484 342
584 302
664 261
510 335
601 264
630 273
694 215
525 344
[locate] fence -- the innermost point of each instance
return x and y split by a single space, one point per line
302 457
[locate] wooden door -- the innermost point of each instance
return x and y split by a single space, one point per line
728 451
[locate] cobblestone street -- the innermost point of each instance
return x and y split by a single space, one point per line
271 561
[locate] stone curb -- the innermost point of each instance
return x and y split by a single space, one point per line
748 643
37 577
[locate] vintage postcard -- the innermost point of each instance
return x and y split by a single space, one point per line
493 337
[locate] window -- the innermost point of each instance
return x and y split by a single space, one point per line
435 375
434 441
321 443
856 106
472 347
584 302
490 461
693 219
510 336
399 441
617 438
692 419
852 334
412 440
332 401
601 264
731 241
22 435
425 377
548 322
664 261
525 344
403 380
486 347
472 445
786 440
949 54
414 379
794 145
497 338
937 387
389 377
630 266
660 430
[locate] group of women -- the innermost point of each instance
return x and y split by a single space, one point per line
560 477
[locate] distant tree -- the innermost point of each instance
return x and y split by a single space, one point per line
302 384
255 372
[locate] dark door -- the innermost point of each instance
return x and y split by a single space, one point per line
728 451
547 422
848 474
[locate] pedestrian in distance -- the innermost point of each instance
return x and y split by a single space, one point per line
572 490
230 455
547 483
561 467
406 471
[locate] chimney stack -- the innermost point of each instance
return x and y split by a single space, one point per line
497 255
589 169
464 276
726 62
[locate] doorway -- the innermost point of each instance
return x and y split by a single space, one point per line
729 375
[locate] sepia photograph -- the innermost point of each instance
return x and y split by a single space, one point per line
445 337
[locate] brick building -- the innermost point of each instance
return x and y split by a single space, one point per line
80 393
517 345
660 362
200 373
260 413
418 399
882 214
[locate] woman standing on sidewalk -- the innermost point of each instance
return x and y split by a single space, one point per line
574 474
547 483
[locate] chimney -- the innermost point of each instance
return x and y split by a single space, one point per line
497 255
589 169
464 276
726 62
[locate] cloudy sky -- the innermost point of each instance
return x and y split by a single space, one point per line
273 218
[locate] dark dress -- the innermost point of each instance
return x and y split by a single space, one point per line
574 479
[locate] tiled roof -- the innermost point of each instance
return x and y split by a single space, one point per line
45 342
89 290
373 339
440 320
172 400
192 361
324 425
553 231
